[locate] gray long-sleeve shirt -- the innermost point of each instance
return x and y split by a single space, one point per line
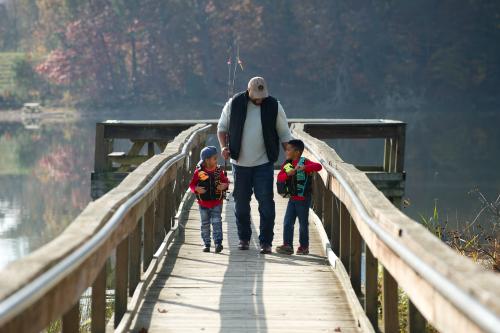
253 149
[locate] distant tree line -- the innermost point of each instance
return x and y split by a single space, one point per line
342 52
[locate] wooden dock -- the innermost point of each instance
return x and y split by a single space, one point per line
243 291
141 238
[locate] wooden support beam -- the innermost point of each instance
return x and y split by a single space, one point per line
121 280
71 319
387 155
345 235
149 236
103 147
355 258
335 236
98 315
371 287
416 322
400 148
135 258
390 303
328 213
151 149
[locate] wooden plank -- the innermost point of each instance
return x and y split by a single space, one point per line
240 290
355 258
71 320
371 287
351 131
98 310
390 302
135 240
121 280
144 132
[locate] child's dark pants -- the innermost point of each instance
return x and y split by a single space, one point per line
297 209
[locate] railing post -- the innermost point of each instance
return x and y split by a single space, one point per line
355 258
121 280
416 322
71 319
371 287
102 148
327 208
158 225
135 257
387 155
345 226
98 321
335 237
149 239
390 302
319 193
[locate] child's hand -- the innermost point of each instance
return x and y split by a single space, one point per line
291 172
200 190
300 168
222 186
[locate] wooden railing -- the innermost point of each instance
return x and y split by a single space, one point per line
137 217
450 291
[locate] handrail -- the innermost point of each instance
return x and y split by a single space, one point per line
22 298
480 314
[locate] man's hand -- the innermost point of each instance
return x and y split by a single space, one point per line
291 172
200 189
225 153
222 186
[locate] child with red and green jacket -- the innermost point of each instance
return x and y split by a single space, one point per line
294 181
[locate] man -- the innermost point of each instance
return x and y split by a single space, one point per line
250 130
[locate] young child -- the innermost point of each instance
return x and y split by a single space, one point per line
209 184
295 177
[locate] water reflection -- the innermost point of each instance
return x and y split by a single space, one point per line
44 182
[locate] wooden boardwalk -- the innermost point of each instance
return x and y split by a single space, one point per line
243 291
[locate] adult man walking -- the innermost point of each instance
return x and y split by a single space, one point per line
250 130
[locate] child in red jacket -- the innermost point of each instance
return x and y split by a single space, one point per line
295 178
209 183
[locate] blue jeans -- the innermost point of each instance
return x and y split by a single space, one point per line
258 179
211 216
297 209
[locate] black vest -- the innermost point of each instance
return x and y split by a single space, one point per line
209 181
268 115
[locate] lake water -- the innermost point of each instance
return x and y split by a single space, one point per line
45 172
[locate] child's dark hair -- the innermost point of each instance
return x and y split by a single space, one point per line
297 145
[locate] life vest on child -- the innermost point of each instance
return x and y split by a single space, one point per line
209 181
296 185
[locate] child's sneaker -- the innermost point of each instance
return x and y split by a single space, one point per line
218 248
206 248
284 249
303 250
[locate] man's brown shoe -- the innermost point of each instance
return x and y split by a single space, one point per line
266 249
244 245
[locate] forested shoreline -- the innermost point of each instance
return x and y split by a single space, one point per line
110 52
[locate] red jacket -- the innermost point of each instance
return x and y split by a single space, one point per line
194 183
309 167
